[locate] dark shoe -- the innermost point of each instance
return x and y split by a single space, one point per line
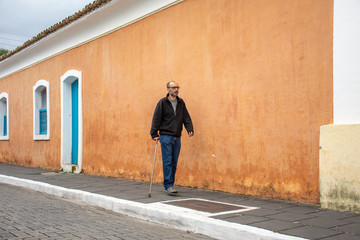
171 190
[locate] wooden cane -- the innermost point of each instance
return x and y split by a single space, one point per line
152 174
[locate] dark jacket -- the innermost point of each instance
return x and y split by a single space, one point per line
167 121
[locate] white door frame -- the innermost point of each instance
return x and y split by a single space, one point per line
66 137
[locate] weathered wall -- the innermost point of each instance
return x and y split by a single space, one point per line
21 148
256 77
340 167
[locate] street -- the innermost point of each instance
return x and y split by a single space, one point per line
26 214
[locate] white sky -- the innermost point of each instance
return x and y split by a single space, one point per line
20 20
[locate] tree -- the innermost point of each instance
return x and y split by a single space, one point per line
3 51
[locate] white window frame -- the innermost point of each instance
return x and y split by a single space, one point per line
6 96
36 125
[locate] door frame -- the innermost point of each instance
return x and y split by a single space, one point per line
66 131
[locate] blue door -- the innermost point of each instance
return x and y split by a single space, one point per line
5 126
75 121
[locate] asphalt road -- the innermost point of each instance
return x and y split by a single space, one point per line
26 214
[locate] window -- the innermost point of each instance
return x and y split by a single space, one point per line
43 121
41 110
4 116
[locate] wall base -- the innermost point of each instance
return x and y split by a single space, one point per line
340 167
71 168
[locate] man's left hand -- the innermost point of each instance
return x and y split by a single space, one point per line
191 134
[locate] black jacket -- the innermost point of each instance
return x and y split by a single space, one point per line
167 121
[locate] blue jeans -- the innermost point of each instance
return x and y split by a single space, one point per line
170 150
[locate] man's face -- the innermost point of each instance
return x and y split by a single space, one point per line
173 89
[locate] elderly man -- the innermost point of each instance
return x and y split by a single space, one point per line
169 116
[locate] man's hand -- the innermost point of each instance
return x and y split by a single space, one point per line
156 139
191 134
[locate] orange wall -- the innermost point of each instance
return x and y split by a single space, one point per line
256 76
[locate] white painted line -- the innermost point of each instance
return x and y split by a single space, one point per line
176 219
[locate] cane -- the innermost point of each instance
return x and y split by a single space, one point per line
152 174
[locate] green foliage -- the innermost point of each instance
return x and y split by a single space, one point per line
3 51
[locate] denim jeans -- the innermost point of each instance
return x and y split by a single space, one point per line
170 150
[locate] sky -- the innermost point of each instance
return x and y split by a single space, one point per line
20 20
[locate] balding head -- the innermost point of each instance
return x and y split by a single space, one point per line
170 84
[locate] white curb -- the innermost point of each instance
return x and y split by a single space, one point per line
154 213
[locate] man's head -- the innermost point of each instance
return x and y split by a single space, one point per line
173 89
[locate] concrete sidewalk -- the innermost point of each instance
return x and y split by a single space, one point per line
216 214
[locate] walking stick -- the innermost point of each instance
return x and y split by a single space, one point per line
152 174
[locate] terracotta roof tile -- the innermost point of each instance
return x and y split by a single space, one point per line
86 10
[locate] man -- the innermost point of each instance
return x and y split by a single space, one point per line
169 116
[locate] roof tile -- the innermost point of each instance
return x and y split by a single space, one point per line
86 10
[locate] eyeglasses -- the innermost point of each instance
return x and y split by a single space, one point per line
173 88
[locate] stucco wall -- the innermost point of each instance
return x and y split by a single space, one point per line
340 167
21 148
256 77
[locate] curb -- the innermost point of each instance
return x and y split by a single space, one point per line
176 218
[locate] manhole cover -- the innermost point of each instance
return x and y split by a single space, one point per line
205 206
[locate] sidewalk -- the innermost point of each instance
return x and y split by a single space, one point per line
216 214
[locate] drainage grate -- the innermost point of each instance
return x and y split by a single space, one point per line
205 205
